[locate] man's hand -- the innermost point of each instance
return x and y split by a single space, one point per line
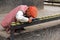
30 19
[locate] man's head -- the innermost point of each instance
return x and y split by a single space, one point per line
32 11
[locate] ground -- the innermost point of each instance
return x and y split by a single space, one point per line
51 33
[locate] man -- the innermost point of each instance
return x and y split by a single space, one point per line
30 13
22 13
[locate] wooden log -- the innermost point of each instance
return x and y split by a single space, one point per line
33 27
41 26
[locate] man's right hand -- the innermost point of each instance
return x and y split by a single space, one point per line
30 19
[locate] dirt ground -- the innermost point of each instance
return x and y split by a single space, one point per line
52 33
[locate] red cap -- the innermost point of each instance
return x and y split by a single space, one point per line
32 11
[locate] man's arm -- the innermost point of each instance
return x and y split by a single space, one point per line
20 17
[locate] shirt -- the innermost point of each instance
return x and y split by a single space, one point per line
20 17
